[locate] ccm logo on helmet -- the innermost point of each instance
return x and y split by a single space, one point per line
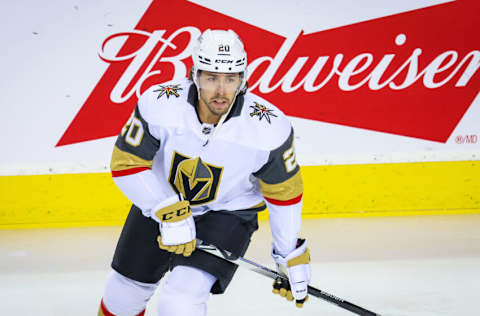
223 61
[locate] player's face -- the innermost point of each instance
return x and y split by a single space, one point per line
217 92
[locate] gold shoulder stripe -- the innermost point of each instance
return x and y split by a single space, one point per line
283 191
121 160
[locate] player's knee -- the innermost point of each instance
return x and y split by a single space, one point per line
124 296
185 292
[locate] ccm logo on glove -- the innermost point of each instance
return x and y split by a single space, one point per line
176 215
177 227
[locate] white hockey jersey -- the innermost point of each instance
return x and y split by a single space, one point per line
164 149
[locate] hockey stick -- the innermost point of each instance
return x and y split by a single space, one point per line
253 266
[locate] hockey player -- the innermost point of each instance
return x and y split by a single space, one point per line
199 158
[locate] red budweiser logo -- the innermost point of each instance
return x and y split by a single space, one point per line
413 74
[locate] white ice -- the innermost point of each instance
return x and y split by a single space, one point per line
421 265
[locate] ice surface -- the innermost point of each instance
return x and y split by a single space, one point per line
419 266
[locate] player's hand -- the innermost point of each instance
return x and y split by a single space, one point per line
296 265
177 227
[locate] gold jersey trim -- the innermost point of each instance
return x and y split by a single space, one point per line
122 160
283 191
259 205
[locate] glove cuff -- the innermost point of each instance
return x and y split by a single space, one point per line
300 255
164 206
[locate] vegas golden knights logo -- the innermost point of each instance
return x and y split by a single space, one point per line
196 180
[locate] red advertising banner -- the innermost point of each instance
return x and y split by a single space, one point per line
413 74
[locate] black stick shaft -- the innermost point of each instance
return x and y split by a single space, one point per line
251 265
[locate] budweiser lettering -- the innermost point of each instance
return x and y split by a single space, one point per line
446 61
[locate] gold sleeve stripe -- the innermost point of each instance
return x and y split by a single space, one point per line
284 191
121 160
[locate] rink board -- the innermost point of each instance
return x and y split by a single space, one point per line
68 200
